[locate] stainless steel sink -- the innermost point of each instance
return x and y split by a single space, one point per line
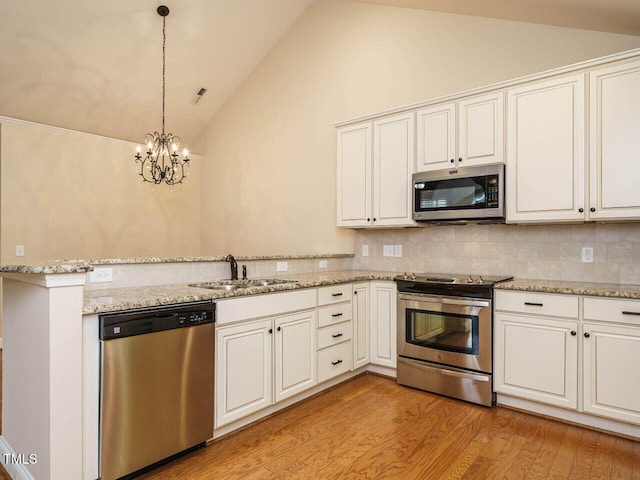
230 285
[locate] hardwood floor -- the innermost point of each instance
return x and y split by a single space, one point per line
372 428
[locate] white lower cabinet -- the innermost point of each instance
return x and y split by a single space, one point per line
263 361
611 354
360 339
537 358
586 364
383 323
243 370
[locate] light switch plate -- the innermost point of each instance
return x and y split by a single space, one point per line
322 264
365 250
282 266
397 250
388 251
19 250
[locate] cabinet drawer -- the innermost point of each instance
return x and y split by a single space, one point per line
334 314
537 303
334 361
334 334
334 294
612 310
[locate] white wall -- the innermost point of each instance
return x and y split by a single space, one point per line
271 150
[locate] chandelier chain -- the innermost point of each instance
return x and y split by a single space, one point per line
164 41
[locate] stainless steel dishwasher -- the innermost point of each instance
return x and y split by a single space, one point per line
156 398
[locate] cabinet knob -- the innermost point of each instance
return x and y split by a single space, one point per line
460 160
279 328
573 333
581 210
452 160
368 219
271 330
374 219
355 292
587 335
593 209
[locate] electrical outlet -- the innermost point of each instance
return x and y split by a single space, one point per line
397 250
282 266
322 264
587 254
365 250
101 275
388 251
19 250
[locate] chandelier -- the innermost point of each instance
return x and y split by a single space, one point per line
162 162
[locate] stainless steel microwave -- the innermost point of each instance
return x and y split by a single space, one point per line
468 194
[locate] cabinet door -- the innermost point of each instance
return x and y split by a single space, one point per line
481 130
360 337
615 142
243 370
536 359
545 151
384 324
611 356
436 137
295 353
354 175
393 158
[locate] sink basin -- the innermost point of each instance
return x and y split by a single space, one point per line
230 285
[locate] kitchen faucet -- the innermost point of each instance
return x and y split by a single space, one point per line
234 266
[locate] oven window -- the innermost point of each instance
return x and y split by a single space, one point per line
443 331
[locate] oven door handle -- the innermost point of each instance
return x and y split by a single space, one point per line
450 373
444 300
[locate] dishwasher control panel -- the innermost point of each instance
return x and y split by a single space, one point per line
140 322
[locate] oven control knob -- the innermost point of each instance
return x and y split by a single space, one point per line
469 279
480 280
405 276
413 276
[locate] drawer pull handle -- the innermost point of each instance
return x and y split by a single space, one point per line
336 362
336 315
626 312
336 294
533 304
336 335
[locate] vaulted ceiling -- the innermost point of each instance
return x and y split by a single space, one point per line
96 66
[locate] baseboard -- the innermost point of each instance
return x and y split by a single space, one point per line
16 471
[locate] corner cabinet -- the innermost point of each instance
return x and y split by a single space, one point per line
467 133
375 164
545 172
361 345
614 142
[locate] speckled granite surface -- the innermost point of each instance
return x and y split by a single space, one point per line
572 288
116 299
47 269
124 261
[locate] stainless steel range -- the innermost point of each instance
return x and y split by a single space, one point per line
445 334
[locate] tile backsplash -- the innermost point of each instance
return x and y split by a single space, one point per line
548 252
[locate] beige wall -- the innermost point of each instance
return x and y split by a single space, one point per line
67 195
271 150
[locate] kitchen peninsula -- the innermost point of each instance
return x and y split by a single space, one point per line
51 348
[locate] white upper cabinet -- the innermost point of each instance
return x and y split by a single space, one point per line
354 175
375 164
469 132
615 142
545 151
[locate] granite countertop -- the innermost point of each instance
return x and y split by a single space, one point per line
239 258
116 299
613 290
55 268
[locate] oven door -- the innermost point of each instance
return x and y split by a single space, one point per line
451 331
